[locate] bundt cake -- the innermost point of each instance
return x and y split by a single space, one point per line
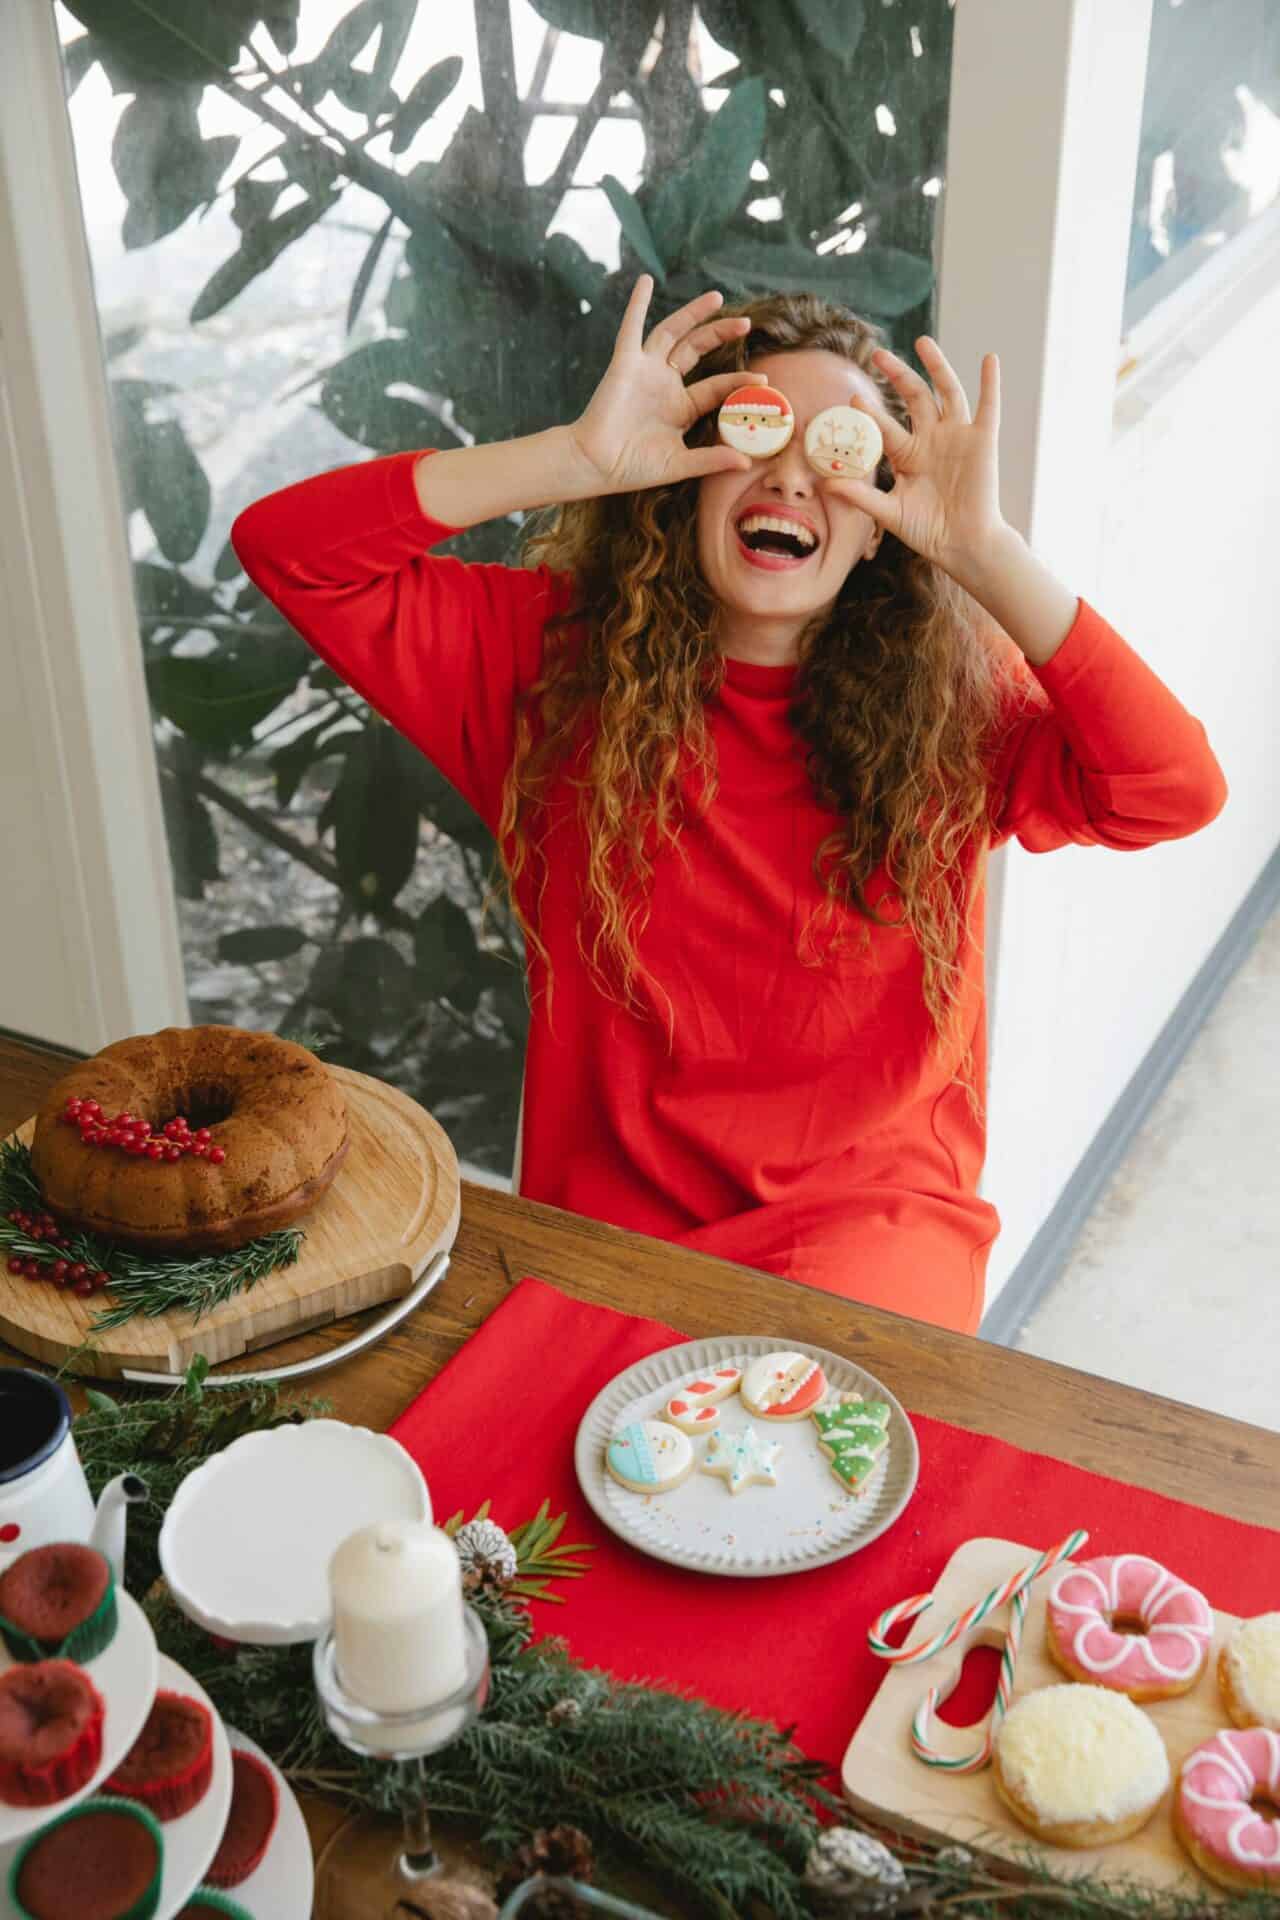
190 1140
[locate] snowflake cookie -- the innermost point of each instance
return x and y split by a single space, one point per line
742 1458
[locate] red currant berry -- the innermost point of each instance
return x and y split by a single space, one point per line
200 1148
83 1288
32 1269
59 1270
35 1233
217 1155
203 1135
101 1280
155 1151
173 1153
61 1282
16 1265
73 1105
79 1270
90 1106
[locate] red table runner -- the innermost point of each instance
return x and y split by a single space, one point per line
499 1423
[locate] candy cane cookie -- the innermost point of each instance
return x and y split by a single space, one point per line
1225 1805
691 1416
1127 1623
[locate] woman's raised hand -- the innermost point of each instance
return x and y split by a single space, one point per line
945 502
631 434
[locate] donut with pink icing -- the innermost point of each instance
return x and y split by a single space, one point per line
1126 1622
1215 1810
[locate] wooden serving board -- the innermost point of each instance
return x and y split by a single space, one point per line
396 1201
883 1779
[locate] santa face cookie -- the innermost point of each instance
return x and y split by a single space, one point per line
757 420
853 1436
649 1456
783 1386
742 1458
691 1416
842 443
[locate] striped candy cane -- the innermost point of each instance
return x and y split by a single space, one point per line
981 1755
998 1597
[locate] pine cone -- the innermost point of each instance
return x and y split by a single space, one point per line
565 1713
552 1850
552 1900
849 1873
489 1561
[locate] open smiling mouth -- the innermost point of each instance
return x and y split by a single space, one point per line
767 540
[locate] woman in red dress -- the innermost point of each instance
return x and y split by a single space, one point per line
744 734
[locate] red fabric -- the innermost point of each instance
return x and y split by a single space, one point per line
499 1423
799 1120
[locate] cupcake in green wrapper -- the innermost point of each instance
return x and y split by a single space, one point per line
207 1904
101 1861
58 1602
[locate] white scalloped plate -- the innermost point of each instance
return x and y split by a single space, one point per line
190 1842
806 1521
125 1675
247 1540
281 1886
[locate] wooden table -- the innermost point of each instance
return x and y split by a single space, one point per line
1225 1465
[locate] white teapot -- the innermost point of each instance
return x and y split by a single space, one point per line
43 1492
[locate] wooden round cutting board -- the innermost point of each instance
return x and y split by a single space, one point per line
394 1204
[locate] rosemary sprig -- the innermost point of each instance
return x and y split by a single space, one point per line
140 1283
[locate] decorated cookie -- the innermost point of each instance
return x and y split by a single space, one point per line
843 443
691 1416
714 1385
783 1386
757 420
742 1458
852 1435
649 1456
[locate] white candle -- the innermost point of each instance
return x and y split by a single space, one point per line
398 1622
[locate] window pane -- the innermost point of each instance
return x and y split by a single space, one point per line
343 246
1209 159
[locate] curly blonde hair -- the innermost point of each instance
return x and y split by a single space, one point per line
895 695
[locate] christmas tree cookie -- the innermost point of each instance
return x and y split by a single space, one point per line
853 1435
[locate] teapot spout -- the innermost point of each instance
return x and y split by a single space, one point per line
112 1517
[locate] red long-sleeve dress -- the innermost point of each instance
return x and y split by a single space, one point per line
802 1122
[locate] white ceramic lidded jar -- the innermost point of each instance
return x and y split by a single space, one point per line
398 1619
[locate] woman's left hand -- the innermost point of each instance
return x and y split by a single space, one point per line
945 502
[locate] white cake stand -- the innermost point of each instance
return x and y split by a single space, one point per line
125 1675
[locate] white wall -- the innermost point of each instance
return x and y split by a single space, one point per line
91 949
1096 948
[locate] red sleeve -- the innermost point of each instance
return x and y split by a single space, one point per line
439 646
1100 752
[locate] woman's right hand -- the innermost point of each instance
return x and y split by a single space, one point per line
631 434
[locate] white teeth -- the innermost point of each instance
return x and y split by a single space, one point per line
770 523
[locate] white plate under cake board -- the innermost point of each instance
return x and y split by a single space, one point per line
125 1675
807 1520
189 1842
883 1779
395 1203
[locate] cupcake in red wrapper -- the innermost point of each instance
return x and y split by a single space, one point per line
170 1764
58 1602
255 1808
205 1904
101 1861
51 1717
